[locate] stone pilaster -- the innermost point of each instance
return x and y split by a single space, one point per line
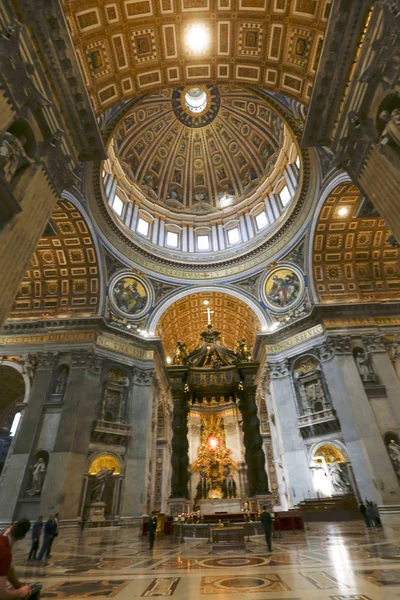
293 463
375 344
15 474
134 497
372 468
68 462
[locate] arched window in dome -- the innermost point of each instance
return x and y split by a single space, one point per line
261 220
117 205
285 196
203 242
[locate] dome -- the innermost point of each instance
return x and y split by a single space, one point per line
200 150
201 170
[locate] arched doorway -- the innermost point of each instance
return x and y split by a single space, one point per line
12 392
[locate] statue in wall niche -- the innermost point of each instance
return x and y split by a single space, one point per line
38 475
231 485
394 453
61 382
102 477
340 483
391 131
364 367
12 155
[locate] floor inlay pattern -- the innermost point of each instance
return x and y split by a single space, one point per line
335 561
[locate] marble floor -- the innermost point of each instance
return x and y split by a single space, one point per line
329 562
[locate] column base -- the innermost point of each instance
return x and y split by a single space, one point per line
390 519
177 506
259 501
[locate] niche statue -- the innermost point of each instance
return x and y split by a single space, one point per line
38 475
102 477
12 155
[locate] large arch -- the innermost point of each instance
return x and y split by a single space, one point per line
355 257
183 316
129 48
64 275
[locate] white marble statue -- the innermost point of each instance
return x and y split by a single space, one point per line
38 474
12 155
394 453
339 480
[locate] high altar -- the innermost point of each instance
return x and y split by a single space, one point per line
218 458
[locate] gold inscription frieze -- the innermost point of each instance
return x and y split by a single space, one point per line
124 348
295 339
102 341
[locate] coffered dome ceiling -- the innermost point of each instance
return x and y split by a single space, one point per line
131 47
234 149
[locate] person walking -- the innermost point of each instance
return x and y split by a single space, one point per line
363 510
11 536
152 528
55 534
371 513
49 529
36 532
266 521
378 521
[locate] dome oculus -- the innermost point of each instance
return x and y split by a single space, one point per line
196 100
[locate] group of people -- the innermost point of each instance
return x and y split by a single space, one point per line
370 514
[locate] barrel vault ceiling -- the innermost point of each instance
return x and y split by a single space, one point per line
131 47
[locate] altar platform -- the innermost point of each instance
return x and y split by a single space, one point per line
214 506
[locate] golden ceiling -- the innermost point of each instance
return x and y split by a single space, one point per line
63 276
355 259
131 47
184 320
238 147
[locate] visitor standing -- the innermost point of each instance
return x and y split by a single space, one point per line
55 534
36 532
48 533
152 528
363 510
12 535
266 521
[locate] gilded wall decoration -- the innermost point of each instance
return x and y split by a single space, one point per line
129 295
63 275
354 258
186 318
104 461
129 47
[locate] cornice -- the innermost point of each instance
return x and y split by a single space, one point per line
48 28
342 38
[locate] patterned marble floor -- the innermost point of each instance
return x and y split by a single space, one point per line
328 562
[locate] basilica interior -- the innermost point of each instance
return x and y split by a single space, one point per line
200 305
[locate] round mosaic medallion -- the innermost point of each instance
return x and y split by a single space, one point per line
184 105
129 295
233 562
283 288
242 583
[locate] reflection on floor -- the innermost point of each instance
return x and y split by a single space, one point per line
328 562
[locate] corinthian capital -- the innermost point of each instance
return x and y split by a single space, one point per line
339 344
142 376
280 369
374 342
